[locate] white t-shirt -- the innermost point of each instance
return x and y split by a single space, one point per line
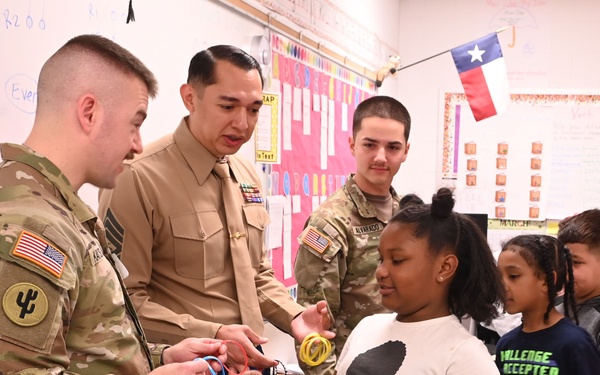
381 345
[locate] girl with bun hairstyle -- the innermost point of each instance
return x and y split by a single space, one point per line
435 267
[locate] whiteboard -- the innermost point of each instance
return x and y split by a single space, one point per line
538 160
165 36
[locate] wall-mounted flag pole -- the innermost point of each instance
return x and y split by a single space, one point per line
482 71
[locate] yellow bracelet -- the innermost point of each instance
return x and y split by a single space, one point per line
313 353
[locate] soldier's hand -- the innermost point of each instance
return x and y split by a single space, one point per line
248 339
314 319
199 366
192 348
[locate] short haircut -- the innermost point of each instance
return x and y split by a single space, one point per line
201 72
113 54
583 228
383 107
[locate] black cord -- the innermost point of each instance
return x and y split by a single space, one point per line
130 15
274 369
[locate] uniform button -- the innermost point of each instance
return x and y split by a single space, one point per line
202 235
237 235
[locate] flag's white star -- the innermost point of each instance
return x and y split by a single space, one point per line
476 53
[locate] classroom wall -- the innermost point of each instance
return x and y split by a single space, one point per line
165 35
553 51
550 50
378 16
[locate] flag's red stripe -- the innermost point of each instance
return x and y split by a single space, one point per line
33 242
478 93
313 239
33 249
41 259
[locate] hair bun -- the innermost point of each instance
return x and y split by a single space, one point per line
442 203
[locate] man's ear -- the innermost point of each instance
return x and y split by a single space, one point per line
187 95
88 112
406 152
351 144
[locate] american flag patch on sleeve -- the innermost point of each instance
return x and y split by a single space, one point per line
316 240
34 249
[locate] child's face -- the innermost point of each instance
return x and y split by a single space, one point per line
407 277
586 271
525 291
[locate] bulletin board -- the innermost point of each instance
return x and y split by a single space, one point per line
318 99
539 160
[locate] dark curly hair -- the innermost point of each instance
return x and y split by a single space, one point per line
476 289
410 200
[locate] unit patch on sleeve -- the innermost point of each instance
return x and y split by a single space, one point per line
25 304
36 250
316 240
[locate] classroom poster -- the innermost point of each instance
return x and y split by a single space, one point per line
267 130
318 98
500 231
537 161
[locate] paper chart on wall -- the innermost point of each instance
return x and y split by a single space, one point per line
267 130
537 161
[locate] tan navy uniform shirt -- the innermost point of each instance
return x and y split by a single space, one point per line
166 220
64 309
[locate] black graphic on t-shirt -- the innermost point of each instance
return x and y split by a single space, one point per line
385 359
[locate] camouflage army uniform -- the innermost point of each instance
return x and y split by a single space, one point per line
63 304
337 259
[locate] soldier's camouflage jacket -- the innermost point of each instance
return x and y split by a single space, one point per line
336 261
64 309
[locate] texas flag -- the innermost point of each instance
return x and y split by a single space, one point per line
483 74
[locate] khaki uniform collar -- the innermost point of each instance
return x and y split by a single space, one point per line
198 158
